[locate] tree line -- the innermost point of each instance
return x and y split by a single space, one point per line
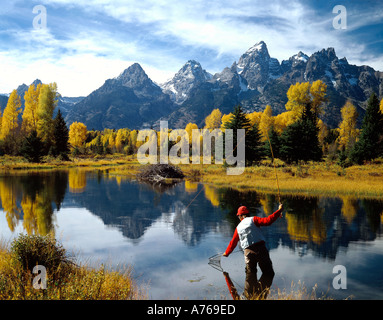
298 134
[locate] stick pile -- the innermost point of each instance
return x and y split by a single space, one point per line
159 173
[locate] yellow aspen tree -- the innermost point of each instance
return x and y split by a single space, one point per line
189 129
122 138
318 95
347 128
31 98
282 120
301 94
133 140
225 118
112 140
298 96
381 106
213 120
9 122
322 134
77 134
266 122
254 117
46 105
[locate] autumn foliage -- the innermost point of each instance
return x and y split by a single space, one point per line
34 132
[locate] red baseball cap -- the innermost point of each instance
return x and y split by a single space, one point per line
242 210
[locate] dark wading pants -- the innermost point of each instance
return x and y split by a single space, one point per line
257 254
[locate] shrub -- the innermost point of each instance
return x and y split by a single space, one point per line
32 250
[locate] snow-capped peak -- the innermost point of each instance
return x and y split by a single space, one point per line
300 57
260 46
184 80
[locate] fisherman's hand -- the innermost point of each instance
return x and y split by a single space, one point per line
224 254
281 208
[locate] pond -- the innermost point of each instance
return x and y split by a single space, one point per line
168 234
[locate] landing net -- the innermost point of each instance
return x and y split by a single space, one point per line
215 261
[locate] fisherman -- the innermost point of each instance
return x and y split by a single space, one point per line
252 241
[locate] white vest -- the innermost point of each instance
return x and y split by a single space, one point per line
249 233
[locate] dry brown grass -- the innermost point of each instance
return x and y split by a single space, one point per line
78 283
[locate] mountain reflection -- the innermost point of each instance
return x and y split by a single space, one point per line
191 209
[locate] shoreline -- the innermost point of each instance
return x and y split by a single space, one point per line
311 179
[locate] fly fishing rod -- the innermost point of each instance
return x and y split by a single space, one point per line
275 169
273 160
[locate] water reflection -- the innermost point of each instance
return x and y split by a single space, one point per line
31 198
316 224
77 180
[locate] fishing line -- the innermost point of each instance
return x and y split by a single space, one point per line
203 186
275 169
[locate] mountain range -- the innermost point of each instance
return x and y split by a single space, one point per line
132 100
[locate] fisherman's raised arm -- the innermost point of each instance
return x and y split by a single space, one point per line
270 219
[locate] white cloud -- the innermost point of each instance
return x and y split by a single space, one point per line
159 34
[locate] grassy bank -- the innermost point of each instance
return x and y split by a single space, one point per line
10 163
309 179
318 178
66 280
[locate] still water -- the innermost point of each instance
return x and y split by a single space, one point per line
167 235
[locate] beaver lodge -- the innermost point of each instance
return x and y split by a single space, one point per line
160 174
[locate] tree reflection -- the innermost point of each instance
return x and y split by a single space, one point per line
350 208
30 197
8 195
77 180
305 220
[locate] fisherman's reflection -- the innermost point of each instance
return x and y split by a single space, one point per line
249 235
254 288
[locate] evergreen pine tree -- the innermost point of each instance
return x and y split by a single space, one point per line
275 144
61 136
300 140
237 121
370 144
254 147
32 147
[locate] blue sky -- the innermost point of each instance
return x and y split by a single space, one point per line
86 42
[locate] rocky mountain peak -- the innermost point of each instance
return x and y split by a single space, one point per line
257 67
300 57
257 54
134 76
259 47
193 69
190 75
133 100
